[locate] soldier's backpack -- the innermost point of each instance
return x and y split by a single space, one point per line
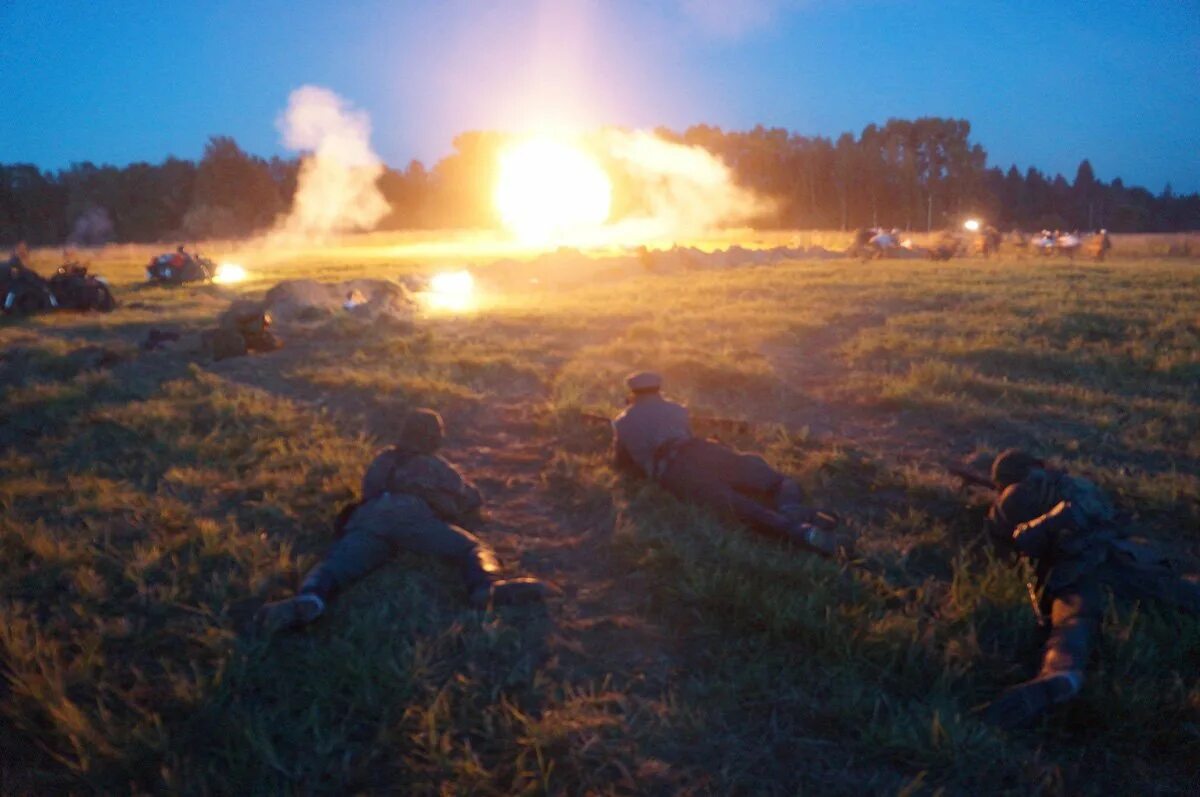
1088 499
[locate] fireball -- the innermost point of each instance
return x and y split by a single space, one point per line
548 190
229 273
453 291
971 225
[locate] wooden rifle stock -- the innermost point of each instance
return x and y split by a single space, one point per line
972 478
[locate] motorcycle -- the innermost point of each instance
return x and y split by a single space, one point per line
74 289
176 268
24 291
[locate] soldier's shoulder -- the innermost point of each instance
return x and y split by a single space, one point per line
1017 502
388 454
433 465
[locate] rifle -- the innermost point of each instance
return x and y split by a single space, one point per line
702 423
974 479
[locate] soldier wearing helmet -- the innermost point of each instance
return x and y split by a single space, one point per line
653 439
412 499
1068 528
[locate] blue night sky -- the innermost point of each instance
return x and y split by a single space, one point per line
1043 84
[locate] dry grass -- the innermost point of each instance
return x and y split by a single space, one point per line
149 507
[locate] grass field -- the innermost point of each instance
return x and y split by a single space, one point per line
151 501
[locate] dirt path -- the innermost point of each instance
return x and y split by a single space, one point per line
598 625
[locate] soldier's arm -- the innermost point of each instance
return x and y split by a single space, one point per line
622 462
376 480
1049 532
448 493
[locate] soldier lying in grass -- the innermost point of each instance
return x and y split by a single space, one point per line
1068 528
653 438
411 500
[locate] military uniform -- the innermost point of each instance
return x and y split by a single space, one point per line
246 327
412 500
1068 528
653 438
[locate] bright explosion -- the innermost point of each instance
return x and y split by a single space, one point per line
229 273
971 225
548 191
453 291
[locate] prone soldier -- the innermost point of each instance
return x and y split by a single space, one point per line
412 499
1068 528
653 439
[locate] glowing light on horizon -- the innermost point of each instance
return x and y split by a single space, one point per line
452 291
971 225
229 274
548 191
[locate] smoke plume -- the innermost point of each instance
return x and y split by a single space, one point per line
683 190
336 189
93 227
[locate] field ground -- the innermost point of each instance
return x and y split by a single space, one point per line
150 502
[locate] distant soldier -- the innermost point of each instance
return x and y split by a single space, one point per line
18 261
245 328
653 439
947 246
411 501
990 241
1068 528
1019 241
1103 244
884 241
862 243
22 290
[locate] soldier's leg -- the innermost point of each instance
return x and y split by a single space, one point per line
752 476
1074 619
374 533
365 546
1156 582
477 562
704 473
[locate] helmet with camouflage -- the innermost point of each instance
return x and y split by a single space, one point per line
1012 466
422 432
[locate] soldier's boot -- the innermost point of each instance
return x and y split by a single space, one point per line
485 587
790 501
821 542
1022 704
294 612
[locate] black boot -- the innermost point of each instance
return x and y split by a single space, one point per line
823 543
1022 704
481 574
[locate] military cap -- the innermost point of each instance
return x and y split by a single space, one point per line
643 382
422 431
1012 466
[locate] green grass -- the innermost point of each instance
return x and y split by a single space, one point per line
148 504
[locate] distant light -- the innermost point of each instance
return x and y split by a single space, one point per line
451 290
972 225
229 273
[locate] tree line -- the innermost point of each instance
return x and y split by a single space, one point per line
913 174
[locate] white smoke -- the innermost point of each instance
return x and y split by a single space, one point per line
93 227
685 190
336 189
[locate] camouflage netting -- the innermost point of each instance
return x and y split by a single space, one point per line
308 300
